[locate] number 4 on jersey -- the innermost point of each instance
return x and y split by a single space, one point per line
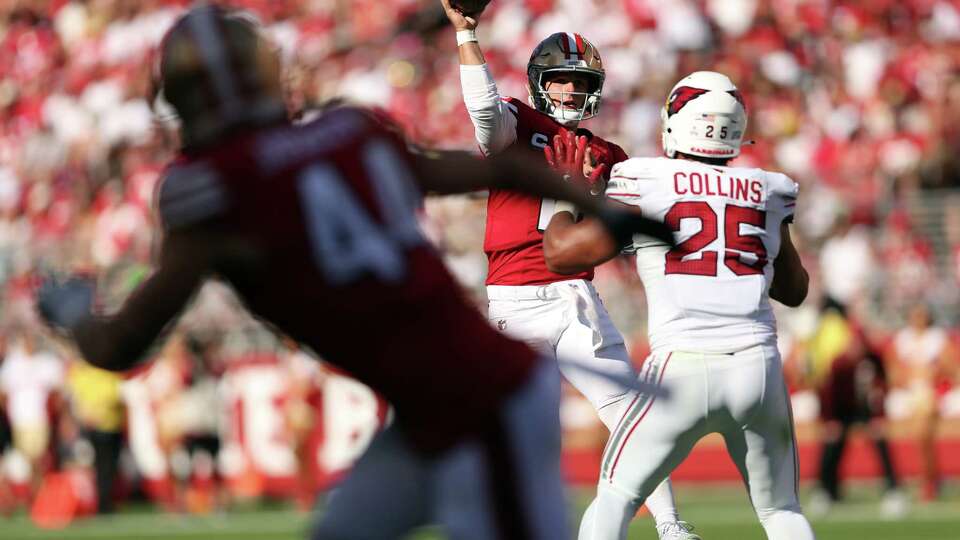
736 243
347 241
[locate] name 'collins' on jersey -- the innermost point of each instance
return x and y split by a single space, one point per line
711 292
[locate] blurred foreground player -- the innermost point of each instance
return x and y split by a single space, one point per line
712 331
314 227
561 314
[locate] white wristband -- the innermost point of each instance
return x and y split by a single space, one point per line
564 206
466 36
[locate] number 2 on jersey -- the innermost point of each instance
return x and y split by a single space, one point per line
736 243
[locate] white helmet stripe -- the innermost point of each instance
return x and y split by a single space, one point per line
205 33
572 45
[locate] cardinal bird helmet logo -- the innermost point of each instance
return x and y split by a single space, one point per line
681 96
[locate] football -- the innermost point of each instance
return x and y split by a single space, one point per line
469 7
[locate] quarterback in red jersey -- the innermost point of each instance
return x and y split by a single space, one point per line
560 314
313 225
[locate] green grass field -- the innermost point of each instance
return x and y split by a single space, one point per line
720 513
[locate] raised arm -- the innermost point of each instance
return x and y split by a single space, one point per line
790 279
495 125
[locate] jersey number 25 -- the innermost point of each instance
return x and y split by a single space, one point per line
736 243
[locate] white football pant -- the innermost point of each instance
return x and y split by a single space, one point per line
567 320
742 396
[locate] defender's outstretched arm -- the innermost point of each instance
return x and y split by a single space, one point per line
117 342
456 172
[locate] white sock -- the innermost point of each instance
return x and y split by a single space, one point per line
661 504
785 524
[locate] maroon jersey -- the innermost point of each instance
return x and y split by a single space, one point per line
335 260
515 222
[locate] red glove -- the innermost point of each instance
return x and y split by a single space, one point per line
599 153
571 156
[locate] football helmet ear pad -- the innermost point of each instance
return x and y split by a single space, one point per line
565 52
704 116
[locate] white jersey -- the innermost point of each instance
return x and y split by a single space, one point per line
710 292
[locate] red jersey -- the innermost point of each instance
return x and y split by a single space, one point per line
336 261
515 222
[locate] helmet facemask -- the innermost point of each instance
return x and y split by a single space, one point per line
543 102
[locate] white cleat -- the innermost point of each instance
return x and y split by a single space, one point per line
819 504
894 505
677 530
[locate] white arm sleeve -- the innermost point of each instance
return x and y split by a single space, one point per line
495 123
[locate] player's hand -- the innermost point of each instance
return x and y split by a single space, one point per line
624 223
458 19
598 155
572 157
63 303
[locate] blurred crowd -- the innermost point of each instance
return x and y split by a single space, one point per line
222 414
857 101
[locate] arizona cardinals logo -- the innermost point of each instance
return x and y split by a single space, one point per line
680 97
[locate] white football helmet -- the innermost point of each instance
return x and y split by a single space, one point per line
704 116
